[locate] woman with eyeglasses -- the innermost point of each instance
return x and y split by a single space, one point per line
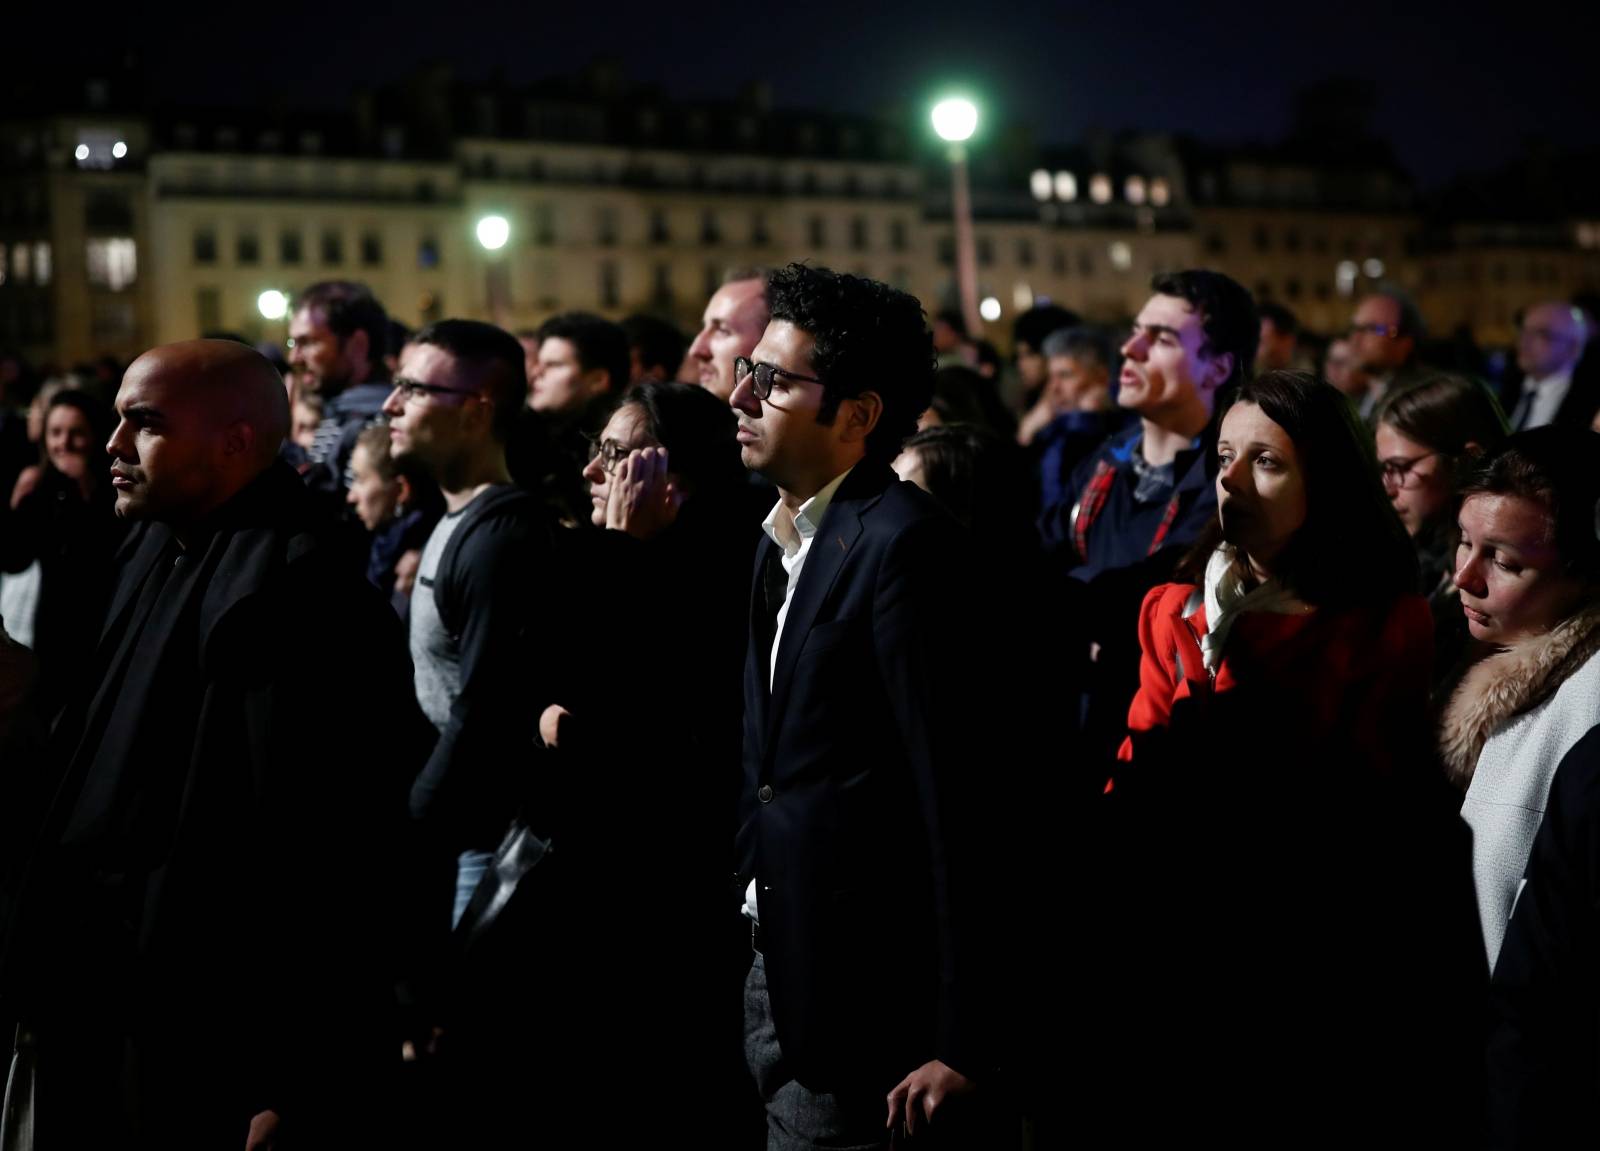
648 740
1429 435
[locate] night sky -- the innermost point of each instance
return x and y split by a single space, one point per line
1454 92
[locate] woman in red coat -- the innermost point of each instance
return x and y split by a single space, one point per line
1303 592
1275 861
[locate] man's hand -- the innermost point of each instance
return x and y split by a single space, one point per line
263 1134
642 501
921 1093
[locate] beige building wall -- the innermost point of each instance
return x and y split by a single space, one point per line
1486 288
1294 257
226 229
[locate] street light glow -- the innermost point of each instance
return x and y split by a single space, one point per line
989 309
81 152
955 119
119 150
272 304
493 232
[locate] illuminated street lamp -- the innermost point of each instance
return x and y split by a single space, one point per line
955 120
493 233
272 304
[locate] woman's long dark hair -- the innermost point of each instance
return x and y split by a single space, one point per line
1352 547
697 429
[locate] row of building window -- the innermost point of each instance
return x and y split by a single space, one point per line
291 252
111 261
26 263
1063 186
1263 239
711 232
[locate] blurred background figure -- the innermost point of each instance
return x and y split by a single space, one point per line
1280 335
1027 348
1550 343
655 349
1075 413
1385 334
399 504
1341 369
1429 436
58 535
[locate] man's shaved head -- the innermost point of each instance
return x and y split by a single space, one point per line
198 421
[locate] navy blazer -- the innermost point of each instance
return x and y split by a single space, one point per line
857 815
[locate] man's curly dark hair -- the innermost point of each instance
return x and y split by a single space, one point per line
867 337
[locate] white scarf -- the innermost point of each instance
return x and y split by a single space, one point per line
1226 601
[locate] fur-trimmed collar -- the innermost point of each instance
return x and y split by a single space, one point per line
1509 681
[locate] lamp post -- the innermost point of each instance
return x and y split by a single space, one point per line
955 120
493 232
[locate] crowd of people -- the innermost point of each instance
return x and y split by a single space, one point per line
816 730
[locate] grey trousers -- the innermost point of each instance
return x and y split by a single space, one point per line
799 1119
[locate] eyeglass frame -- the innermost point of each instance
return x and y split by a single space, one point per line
744 368
1388 331
1398 471
415 389
600 448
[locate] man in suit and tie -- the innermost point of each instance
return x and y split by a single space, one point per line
860 828
1550 345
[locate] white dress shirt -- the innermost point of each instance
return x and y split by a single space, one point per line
1545 398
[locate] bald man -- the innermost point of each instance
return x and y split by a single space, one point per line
1549 346
188 961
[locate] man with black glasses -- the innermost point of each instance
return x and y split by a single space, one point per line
458 390
1385 333
860 836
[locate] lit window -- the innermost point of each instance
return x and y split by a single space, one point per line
1022 296
1100 188
42 263
20 263
1133 189
1039 185
1066 187
113 263
1121 256
1373 268
1160 194
1344 277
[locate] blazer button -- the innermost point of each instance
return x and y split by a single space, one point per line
765 794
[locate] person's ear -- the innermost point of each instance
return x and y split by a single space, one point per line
238 438
1218 368
597 382
402 491
863 413
358 349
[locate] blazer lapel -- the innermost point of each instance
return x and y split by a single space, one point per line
761 697
835 536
